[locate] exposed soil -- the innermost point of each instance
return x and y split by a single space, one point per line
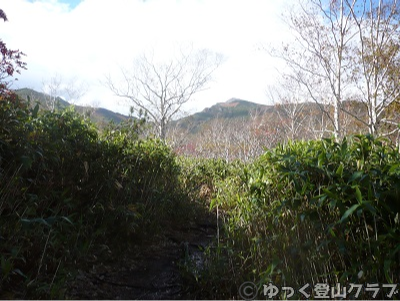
152 271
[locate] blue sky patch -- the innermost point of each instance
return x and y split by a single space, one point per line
72 3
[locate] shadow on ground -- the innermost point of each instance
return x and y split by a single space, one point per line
151 270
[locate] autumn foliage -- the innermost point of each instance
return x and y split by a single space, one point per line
11 60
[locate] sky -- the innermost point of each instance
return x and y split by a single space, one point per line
87 39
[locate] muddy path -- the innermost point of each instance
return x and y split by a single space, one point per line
151 271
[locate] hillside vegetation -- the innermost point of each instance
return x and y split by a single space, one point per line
315 211
100 116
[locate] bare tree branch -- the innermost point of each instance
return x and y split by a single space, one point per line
160 89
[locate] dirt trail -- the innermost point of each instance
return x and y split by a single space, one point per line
151 272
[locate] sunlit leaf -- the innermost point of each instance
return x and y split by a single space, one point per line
339 170
349 212
358 194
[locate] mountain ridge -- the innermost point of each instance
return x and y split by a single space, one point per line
97 115
229 109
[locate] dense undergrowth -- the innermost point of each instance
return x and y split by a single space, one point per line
309 212
68 193
304 212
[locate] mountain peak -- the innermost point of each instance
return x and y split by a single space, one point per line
233 99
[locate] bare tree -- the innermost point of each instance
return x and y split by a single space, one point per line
52 89
289 104
160 89
254 135
378 77
317 125
75 90
238 138
213 140
179 134
348 50
56 86
320 58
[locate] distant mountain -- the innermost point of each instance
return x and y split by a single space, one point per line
40 97
101 114
97 115
227 112
233 108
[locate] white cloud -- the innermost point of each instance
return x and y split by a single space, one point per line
96 36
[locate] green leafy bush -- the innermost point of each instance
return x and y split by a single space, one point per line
316 211
67 193
201 173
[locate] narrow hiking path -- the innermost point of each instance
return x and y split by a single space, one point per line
153 270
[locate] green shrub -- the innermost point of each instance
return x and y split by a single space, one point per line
198 173
67 193
316 211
